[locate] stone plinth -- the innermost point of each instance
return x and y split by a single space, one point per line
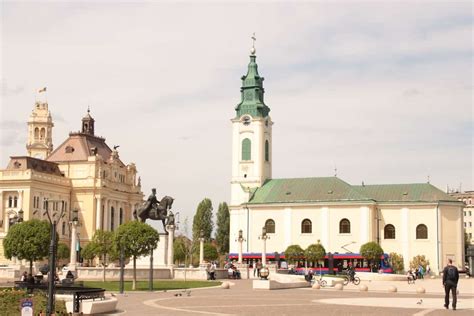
160 255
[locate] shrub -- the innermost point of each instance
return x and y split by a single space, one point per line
419 260
10 302
397 262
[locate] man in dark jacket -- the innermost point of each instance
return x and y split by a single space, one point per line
450 282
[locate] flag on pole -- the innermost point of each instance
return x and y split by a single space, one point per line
42 90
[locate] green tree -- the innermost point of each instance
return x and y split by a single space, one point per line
103 244
202 221
294 253
315 252
397 262
223 228
88 253
63 252
371 251
419 260
28 240
136 239
181 248
210 252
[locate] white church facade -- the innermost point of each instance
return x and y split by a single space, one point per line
409 219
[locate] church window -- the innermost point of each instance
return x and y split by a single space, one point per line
112 218
10 201
63 228
36 133
270 226
389 231
246 149
42 133
421 232
344 226
306 227
121 216
15 201
69 149
267 151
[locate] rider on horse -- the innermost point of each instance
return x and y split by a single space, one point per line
152 204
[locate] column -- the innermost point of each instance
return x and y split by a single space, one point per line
72 261
98 218
201 250
264 253
2 211
106 215
240 250
170 229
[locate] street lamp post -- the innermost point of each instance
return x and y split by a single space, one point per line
122 264
52 256
74 237
240 239
264 237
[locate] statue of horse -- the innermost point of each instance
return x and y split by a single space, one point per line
155 211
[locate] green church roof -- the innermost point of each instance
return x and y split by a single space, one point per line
414 192
333 189
252 93
306 190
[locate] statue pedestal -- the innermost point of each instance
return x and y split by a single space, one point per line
160 255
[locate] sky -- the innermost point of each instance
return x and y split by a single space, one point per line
380 91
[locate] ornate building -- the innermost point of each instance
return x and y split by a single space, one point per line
467 198
82 174
410 219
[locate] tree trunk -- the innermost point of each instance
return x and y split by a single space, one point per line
103 269
31 267
134 273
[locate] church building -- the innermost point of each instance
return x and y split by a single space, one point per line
82 176
409 219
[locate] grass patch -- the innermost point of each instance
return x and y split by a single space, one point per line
159 285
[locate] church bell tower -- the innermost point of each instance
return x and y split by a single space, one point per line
251 137
40 131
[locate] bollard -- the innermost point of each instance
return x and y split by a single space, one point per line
420 290
339 287
363 288
392 289
225 285
316 286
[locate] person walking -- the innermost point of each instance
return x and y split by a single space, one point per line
450 283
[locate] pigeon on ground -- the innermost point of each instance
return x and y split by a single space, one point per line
419 302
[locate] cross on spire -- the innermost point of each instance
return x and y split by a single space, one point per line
253 50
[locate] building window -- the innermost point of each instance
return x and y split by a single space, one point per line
112 218
120 216
15 201
246 149
37 133
421 232
63 230
270 226
389 231
465 224
344 226
470 224
42 133
306 227
10 201
470 213
267 151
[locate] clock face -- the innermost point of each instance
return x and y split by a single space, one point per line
246 120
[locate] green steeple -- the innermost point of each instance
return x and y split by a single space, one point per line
252 92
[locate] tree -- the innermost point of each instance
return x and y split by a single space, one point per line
371 251
223 228
181 248
63 252
419 260
88 253
203 221
136 239
210 252
294 253
103 245
397 262
28 240
315 252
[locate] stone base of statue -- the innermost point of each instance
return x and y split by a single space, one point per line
160 255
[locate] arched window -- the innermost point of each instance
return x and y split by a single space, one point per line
270 226
344 226
120 216
246 149
37 131
42 133
15 201
10 201
421 231
389 231
267 151
112 218
306 227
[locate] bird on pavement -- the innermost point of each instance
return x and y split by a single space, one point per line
419 302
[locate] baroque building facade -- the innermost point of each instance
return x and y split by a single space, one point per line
410 219
82 174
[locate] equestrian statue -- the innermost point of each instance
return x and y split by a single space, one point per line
155 210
